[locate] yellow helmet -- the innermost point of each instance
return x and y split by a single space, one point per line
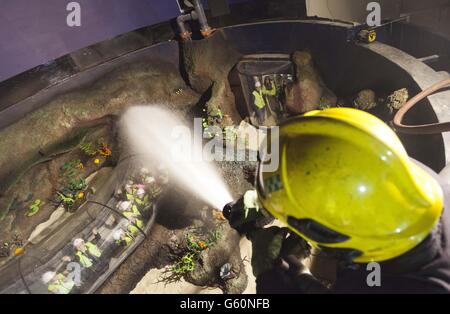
345 184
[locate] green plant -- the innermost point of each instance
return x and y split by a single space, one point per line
88 148
34 208
189 259
197 245
68 168
192 243
73 178
185 265
66 200
211 122
76 184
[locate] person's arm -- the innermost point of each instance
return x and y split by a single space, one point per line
278 263
277 252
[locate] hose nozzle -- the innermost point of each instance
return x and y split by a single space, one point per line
227 210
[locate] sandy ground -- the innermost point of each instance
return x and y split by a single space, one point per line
149 283
55 216
246 253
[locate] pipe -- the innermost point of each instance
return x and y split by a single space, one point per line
205 29
197 13
181 20
431 128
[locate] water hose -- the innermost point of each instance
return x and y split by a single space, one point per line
432 128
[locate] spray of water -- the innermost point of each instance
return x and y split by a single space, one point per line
149 132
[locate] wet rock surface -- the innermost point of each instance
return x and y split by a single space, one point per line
41 182
208 63
55 127
365 100
226 250
309 92
397 99
163 247
50 137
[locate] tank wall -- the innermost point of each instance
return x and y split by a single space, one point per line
346 68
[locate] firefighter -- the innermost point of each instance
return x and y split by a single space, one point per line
270 94
346 186
259 102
